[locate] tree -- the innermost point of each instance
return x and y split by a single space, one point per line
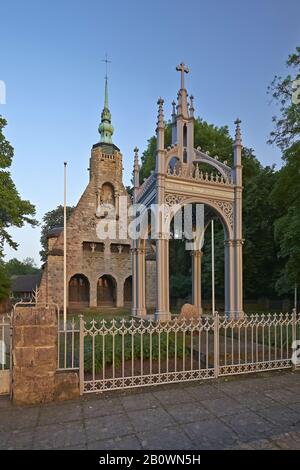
51 219
14 211
286 92
4 282
286 191
15 267
286 194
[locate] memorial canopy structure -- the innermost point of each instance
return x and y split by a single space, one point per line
176 182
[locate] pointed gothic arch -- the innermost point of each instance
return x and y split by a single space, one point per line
222 192
106 291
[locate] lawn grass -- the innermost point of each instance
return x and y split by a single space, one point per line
116 349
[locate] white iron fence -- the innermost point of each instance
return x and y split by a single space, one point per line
124 353
68 344
5 353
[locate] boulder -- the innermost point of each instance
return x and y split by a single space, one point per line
189 312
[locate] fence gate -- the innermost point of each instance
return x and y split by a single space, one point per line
5 353
133 353
127 353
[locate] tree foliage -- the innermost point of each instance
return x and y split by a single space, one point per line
286 194
286 93
286 191
53 218
4 282
14 267
14 211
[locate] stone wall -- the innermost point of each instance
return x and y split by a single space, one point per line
35 379
81 228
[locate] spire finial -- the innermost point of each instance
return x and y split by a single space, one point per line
136 155
182 68
105 128
136 171
173 107
107 61
160 116
237 123
192 106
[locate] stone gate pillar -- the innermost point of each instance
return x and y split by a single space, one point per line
34 372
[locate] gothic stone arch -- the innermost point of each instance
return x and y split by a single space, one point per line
106 291
220 190
79 291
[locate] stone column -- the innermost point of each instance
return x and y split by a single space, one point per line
140 280
238 240
134 278
93 292
120 294
117 204
196 279
238 253
162 312
238 262
229 279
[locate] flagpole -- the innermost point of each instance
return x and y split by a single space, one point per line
65 245
213 268
295 298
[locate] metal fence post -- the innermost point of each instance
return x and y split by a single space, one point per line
216 345
81 354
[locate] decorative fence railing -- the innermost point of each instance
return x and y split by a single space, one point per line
123 353
5 352
68 344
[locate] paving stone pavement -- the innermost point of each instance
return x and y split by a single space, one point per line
260 411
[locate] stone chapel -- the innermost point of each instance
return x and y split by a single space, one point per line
99 271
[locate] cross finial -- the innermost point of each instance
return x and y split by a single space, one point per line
182 69
107 61
237 123
173 107
136 158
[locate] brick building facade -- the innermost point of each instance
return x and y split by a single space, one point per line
99 269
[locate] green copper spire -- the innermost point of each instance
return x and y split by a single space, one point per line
105 128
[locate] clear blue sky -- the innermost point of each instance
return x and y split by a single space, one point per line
51 63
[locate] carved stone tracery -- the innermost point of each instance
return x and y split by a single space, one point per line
226 208
173 199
